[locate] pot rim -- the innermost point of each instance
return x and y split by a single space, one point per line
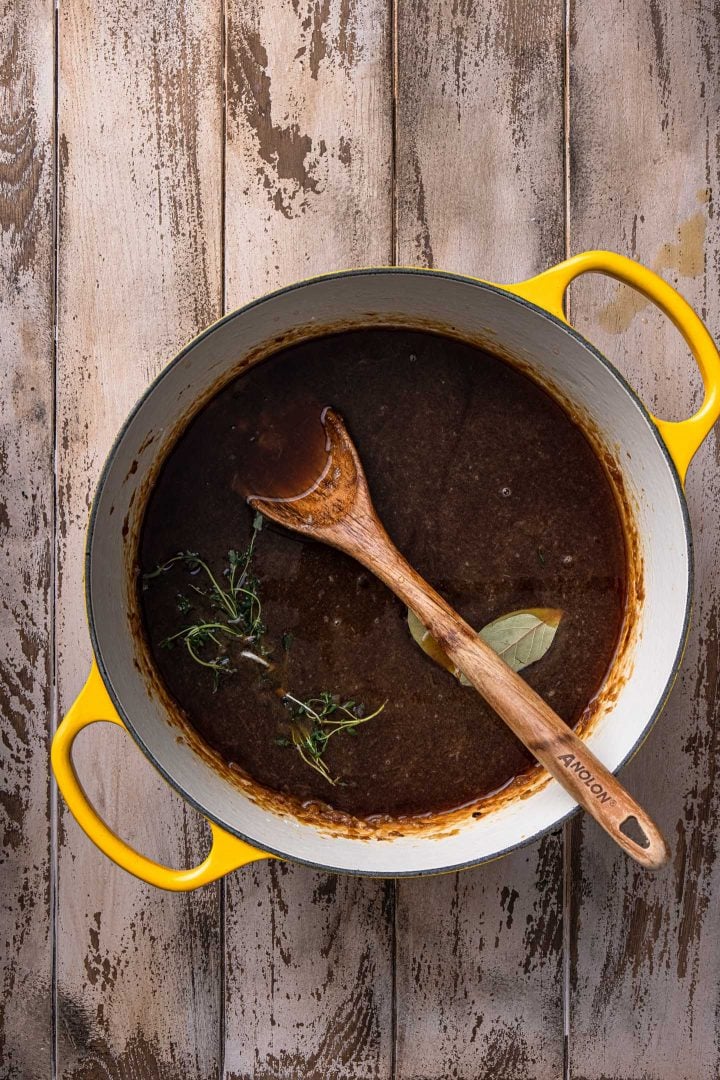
257 302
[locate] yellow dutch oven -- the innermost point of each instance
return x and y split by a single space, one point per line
523 322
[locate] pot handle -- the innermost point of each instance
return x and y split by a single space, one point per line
226 853
548 289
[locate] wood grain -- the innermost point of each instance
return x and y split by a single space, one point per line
645 103
308 189
309 975
26 528
480 136
480 190
308 162
309 148
140 135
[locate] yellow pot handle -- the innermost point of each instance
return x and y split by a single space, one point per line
226 853
548 289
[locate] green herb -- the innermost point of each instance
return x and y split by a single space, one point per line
236 607
236 620
541 556
520 638
315 721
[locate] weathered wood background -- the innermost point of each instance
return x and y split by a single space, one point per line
165 161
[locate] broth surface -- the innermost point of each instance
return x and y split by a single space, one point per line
485 485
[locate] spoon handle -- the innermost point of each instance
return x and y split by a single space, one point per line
537 726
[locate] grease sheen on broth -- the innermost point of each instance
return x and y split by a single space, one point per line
488 488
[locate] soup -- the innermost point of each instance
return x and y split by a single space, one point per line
312 683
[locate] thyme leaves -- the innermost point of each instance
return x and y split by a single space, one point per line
234 603
315 721
229 627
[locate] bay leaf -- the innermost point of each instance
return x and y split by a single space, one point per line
521 638
428 644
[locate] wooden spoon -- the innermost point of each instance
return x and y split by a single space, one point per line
336 508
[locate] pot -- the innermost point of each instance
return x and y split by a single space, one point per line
525 323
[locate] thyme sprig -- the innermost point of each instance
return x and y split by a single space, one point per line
315 721
236 621
236 603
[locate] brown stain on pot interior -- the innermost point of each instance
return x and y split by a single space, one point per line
320 816
147 441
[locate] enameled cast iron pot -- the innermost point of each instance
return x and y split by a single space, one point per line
522 322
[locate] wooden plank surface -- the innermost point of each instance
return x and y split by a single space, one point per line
169 209
480 190
308 188
645 103
140 257
26 533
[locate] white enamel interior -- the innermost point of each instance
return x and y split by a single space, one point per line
493 318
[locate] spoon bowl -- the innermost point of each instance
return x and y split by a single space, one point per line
331 498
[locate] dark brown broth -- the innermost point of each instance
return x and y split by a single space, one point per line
491 492
281 452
